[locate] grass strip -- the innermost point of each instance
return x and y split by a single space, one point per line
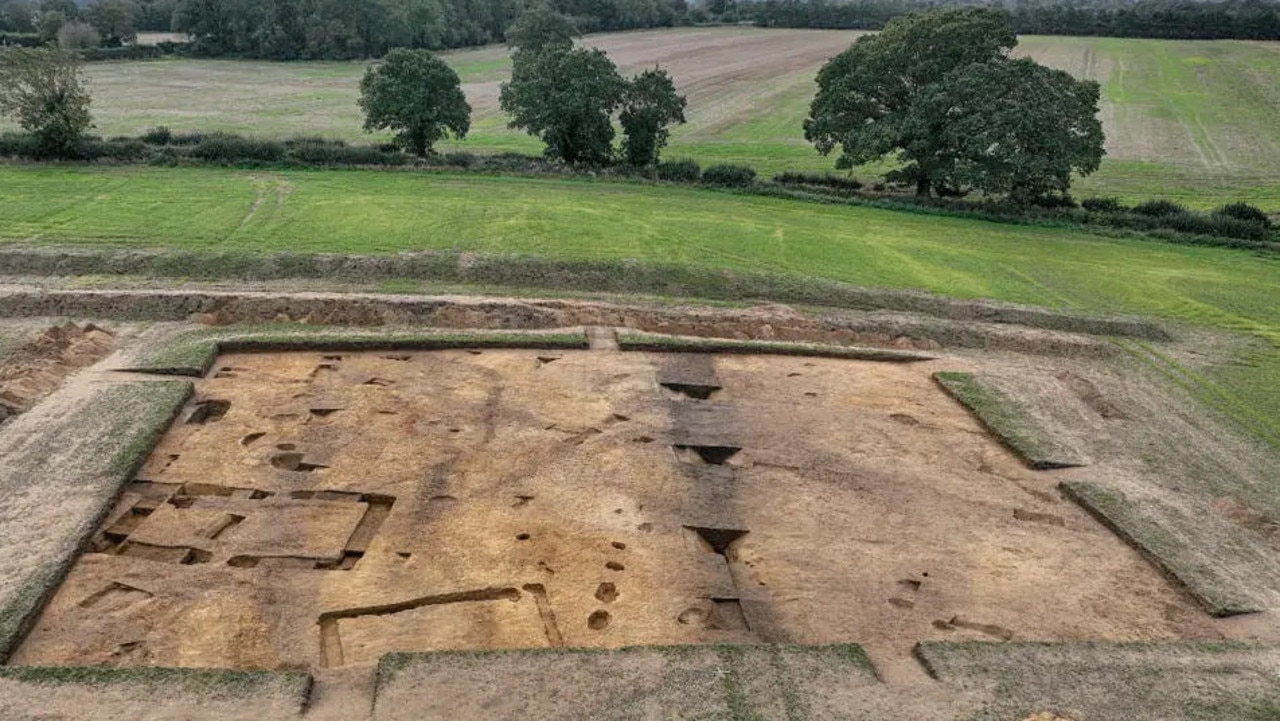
192 353
654 342
1174 544
1140 681
723 681
230 681
109 437
1000 415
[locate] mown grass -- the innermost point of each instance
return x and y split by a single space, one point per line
1192 121
702 230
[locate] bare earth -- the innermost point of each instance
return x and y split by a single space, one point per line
320 510
519 521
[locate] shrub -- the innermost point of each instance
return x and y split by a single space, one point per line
371 155
314 153
1055 202
680 171
186 138
1245 212
826 180
165 156
226 148
459 160
1159 208
730 176
128 52
314 150
1102 205
314 140
125 150
1222 225
21 40
78 36
512 163
170 47
159 135
19 145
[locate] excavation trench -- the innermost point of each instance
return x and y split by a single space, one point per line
928 326
513 499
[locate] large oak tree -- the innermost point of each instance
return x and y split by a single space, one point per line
938 93
417 96
649 105
566 97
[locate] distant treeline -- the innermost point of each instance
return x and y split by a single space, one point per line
340 29
329 29
345 29
1172 19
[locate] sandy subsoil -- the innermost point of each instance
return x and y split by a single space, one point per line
316 511
36 368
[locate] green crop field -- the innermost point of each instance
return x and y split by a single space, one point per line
389 211
1189 120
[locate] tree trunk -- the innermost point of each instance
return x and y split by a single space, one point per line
922 188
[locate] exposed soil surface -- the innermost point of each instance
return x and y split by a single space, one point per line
318 510
36 368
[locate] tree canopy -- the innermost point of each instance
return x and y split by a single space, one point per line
567 98
540 28
115 21
43 90
938 93
649 105
417 96
1017 128
338 29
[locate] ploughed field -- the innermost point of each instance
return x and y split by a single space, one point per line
1188 120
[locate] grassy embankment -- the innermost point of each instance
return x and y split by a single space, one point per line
382 212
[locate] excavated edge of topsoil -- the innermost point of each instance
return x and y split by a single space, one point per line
524 271
1005 420
192 352
1167 538
903 331
96 441
97 693
630 340
737 682
1135 681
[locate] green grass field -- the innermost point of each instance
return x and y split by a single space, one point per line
383 212
1190 120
